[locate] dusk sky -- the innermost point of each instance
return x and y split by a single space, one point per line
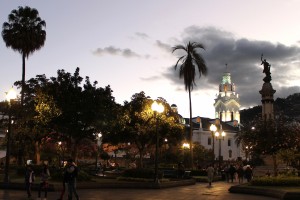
127 44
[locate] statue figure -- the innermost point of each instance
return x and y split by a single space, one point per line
266 70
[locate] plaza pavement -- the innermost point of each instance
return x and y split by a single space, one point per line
201 191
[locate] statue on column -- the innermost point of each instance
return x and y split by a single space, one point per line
266 70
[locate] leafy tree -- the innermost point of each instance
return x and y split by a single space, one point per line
36 114
292 155
24 32
201 154
187 70
138 126
85 110
269 137
64 109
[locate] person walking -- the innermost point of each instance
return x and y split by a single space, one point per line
248 173
65 180
240 173
180 170
45 174
71 176
210 174
226 171
232 171
29 179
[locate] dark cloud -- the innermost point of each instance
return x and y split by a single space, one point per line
151 78
244 63
142 35
127 53
164 46
111 50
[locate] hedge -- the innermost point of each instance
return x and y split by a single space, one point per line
276 181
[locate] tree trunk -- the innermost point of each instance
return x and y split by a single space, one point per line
37 153
74 150
23 79
140 165
275 165
191 130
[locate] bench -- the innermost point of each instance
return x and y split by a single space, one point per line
186 174
170 173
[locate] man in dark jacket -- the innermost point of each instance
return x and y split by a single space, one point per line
70 178
232 171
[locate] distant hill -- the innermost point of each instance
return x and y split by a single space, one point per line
289 106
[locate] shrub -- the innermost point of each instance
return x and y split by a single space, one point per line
276 181
141 173
198 173
57 175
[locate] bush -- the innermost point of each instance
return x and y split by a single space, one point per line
141 173
276 181
57 175
198 173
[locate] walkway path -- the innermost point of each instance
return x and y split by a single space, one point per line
218 191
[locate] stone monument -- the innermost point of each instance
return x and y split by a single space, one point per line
267 92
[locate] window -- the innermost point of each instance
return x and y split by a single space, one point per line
209 141
229 142
230 153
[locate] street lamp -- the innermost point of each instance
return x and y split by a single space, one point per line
213 128
60 154
247 151
166 148
220 137
10 95
98 140
157 108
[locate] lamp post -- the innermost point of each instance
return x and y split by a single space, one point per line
98 143
59 152
247 152
213 128
220 137
11 94
166 148
157 108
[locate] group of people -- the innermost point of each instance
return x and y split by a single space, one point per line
232 172
238 172
70 173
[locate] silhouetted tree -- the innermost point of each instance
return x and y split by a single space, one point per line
187 70
24 32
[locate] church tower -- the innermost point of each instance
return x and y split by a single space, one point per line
227 102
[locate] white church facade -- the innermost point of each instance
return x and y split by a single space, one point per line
227 119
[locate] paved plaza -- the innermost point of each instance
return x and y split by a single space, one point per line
218 191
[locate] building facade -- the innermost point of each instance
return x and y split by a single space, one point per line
227 118
227 105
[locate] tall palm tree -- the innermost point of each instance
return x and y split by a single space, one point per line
24 32
187 70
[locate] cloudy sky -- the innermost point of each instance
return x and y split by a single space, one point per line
127 44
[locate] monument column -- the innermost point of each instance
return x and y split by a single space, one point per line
267 92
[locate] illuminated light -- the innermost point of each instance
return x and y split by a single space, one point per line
157 107
217 134
223 134
11 94
213 128
186 145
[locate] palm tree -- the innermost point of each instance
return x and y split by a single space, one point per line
24 32
187 70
